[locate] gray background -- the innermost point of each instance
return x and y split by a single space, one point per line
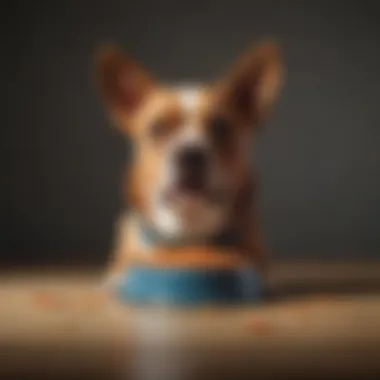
319 157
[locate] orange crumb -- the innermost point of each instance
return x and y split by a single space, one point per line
55 301
47 301
260 327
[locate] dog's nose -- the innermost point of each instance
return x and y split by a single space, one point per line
192 165
192 160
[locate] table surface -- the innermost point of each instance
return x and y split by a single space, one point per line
319 317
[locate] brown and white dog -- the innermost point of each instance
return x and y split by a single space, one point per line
191 177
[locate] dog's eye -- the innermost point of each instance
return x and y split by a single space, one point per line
221 131
159 129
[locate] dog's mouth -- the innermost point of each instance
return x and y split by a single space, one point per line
187 192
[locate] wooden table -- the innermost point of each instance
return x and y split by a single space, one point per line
321 319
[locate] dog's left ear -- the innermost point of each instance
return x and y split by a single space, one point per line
254 84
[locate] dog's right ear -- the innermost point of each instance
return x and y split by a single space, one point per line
255 82
122 82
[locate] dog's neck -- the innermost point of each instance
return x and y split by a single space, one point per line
150 237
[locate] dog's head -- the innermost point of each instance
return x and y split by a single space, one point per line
190 142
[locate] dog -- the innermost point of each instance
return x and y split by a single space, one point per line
191 180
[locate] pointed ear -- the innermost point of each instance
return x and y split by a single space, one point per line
255 82
122 83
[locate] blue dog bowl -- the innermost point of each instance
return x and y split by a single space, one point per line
183 286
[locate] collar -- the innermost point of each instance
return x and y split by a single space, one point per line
150 238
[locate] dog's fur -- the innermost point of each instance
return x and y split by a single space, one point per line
164 120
